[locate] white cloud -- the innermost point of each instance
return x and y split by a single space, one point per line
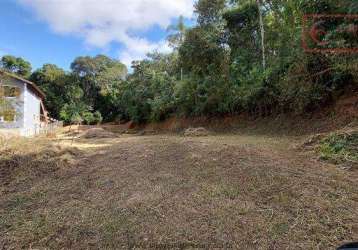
139 47
101 22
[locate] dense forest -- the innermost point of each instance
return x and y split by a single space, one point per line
240 56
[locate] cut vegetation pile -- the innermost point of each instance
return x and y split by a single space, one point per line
340 148
193 132
26 160
97 133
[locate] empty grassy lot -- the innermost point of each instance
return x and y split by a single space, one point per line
168 191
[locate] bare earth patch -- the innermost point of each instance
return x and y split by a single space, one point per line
244 192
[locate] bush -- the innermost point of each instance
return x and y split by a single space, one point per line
97 117
88 118
92 118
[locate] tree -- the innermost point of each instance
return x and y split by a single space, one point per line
242 27
73 111
262 29
209 11
241 56
93 82
148 93
177 33
177 36
16 65
54 82
97 75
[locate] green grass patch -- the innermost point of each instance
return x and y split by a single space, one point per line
340 148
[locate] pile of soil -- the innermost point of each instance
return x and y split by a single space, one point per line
196 132
97 133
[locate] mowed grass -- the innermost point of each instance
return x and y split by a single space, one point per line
167 191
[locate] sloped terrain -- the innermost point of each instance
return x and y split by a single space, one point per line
241 191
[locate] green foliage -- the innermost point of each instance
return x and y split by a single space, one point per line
16 65
242 28
93 84
216 68
147 95
209 11
177 33
97 76
220 60
97 117
73 113
202 52
340 148
53 81
90 118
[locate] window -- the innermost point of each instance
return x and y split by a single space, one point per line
9 91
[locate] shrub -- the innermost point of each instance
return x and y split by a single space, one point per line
88 118
97 117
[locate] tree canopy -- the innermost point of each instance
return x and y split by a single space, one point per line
241 56
16 65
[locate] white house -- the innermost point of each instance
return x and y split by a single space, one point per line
21 106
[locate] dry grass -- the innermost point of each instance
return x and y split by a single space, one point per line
245 192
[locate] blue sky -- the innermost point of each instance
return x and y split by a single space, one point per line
47 31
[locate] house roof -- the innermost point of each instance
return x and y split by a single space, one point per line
32 85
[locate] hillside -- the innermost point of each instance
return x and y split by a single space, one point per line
235 127
237 190
247 188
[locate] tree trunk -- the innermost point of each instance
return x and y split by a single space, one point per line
262 28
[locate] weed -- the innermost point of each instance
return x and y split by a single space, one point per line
340 148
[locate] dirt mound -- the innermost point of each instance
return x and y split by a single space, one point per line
97 133
196 132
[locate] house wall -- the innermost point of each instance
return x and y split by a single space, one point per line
17 102
31 113
27 105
